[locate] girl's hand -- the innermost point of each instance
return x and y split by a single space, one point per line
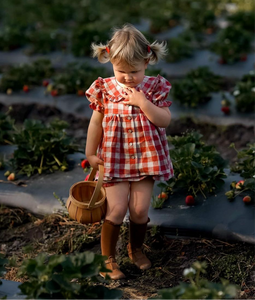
134 97
95 161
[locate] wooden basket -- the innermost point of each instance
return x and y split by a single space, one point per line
87 199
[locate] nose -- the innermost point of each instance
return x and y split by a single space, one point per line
128 77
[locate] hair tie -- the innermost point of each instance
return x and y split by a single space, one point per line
149 49
107 49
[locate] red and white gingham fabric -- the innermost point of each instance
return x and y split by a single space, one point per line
131 147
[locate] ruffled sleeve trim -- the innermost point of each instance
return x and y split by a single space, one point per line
159 92
95 95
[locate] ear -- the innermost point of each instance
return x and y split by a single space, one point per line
146 63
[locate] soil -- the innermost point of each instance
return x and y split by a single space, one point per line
219 136
23 234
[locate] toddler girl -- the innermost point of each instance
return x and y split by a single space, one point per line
127 135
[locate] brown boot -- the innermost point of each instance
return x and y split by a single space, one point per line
112 265
137 234
109 237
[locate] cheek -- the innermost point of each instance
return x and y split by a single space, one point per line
119 77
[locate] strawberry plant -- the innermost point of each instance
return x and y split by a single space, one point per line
83 35
6 127
198 287
201 18
16 77
178 48
46 40
243 19
196 87
41 148
75 77
11 38
246 161
198 168
245 167
65 277
232 43
158 201
162 15
160 22
244 93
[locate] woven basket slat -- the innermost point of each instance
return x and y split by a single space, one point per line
87 200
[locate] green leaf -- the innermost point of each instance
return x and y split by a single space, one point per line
197 165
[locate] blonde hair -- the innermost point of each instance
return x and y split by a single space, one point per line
130 45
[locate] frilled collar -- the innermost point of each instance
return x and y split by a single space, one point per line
114 90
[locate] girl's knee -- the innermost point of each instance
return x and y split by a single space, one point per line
139 215
116 213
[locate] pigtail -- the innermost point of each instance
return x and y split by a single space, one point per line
101 52
157 51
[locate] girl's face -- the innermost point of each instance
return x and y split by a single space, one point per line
128 75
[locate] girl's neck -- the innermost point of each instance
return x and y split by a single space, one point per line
123 85
120 84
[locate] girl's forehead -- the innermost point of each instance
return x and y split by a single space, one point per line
125 65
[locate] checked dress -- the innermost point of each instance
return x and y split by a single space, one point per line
131 147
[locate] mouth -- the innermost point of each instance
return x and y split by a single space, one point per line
129 84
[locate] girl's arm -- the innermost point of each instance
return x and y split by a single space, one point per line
159 116
94 136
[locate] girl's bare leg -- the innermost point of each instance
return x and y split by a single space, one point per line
140 197
117 204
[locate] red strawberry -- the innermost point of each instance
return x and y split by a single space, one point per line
243 58
54 93
209 30
222 61
85 164
26 88
45 83
87 178
189 200
225 109
247 199
162 195
239 184
11 177
80 93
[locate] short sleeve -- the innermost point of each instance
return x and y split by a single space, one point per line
95 96
160 92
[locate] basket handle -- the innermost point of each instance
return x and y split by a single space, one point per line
98 186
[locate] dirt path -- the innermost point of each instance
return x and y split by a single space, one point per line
24 235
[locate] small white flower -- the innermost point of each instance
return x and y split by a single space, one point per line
236 93
253 89
231 7
220 293
223 24
189 271
253 176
